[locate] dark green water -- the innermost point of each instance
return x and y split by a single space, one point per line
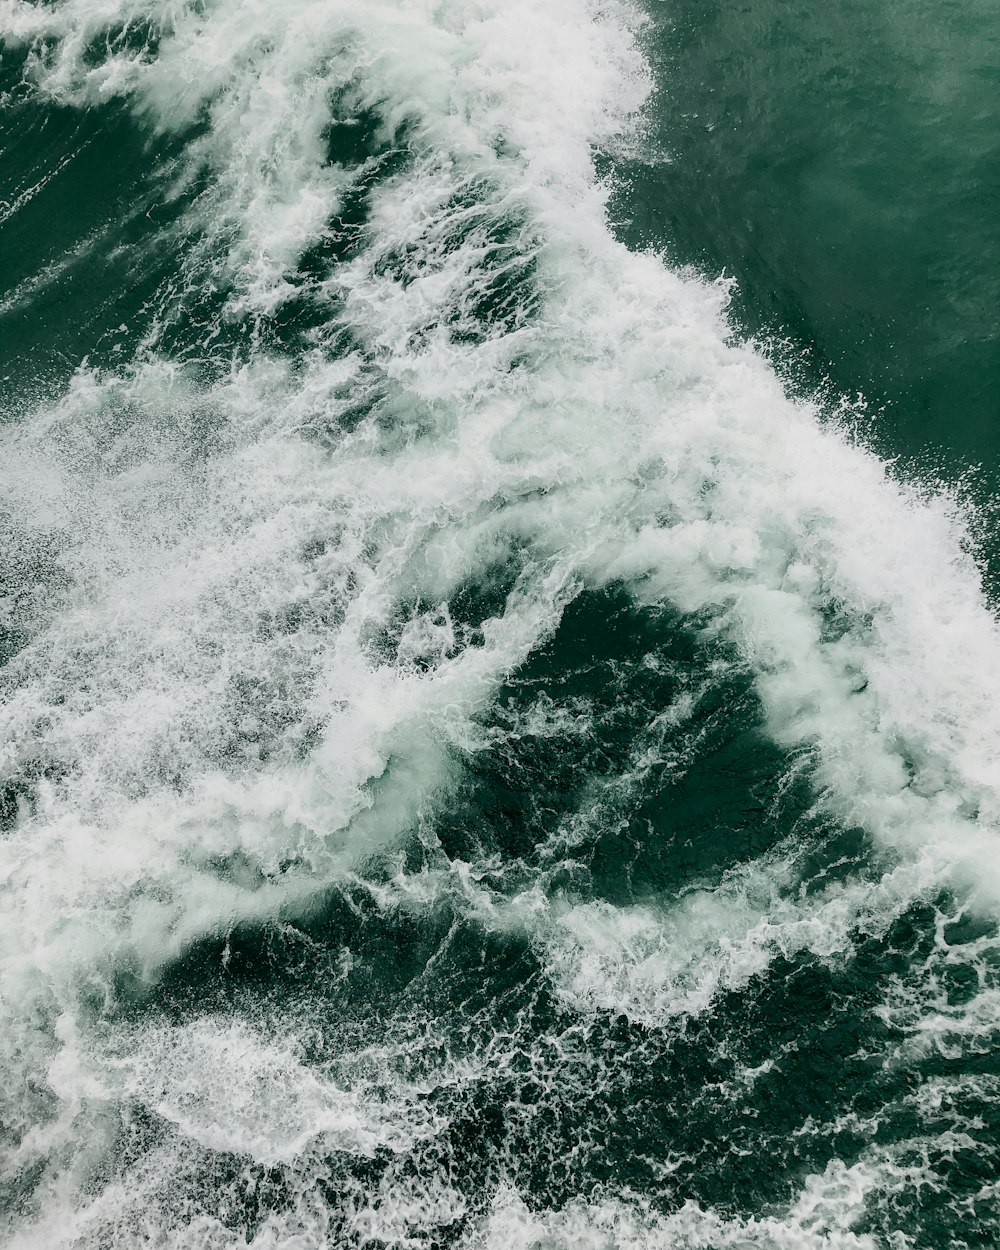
842 166
483 765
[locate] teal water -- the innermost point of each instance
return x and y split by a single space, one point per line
842 166
499 741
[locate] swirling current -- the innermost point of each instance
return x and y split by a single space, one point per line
499 739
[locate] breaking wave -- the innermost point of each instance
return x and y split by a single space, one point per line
482 765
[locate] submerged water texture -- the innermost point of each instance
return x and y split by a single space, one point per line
491 755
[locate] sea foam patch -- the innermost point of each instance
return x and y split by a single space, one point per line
274 599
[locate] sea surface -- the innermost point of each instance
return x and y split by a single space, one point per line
499 681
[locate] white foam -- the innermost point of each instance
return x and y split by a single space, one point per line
615 433
616 1225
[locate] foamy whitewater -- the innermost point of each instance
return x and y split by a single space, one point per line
410 484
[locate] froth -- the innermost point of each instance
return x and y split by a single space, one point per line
244 670
607 1224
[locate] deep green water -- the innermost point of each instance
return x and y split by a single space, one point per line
842 166
482 764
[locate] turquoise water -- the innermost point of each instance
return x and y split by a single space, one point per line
499 702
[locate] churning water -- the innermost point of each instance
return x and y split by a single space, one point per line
491 756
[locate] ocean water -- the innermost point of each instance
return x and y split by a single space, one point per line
500 742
